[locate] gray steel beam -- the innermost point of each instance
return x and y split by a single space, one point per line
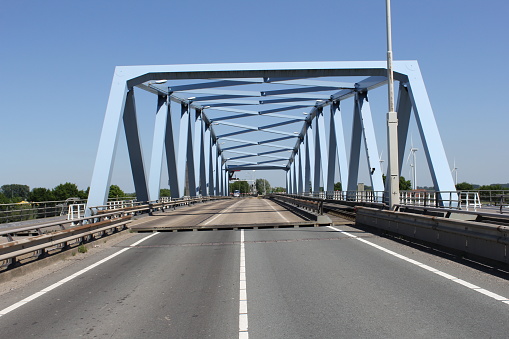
134 147
101 176
355 149
212 84
160 134
430 136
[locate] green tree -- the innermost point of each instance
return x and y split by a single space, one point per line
65 191
262 186
164 192
464 186
242 186
278 190
83 194
15 191
4 199
41 194
493 187
404 185
115 192
338 186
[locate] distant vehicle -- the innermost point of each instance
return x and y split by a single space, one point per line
236 193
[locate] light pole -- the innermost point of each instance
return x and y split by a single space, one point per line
392 122
254 182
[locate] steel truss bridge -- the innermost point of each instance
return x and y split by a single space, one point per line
260 116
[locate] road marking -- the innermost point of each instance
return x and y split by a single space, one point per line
282 216
221 213
429 268
243 333
72 276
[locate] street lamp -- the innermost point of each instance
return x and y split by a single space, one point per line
254 182
392 122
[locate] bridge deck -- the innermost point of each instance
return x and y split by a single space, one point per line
232 213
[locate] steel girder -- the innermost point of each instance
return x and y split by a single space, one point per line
317 152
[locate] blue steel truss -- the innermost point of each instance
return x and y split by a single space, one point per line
269 115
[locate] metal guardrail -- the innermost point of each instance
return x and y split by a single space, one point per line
30 210
449 199
477 238
314 205
152 206
478 216
39 239
34 210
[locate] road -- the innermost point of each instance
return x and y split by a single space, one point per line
324 282
227 212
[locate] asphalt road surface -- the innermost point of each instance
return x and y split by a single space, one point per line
272 283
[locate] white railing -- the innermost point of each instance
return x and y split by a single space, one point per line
469 200
113 205
418 198
76 211
411 198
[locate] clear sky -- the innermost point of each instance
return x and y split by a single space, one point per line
57 60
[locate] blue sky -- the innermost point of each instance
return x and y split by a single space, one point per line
57 62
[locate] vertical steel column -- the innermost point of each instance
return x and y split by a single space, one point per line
298 176
370 142
226 180
337 148
404 108
163 139
218 171
207 168
182 149
191 172
316 179
171 155
101 176
295 173
292 174
320 151
156 160
288 181
355 148
310 160
198 152
221 176
302 160
224 177
213 168
134 147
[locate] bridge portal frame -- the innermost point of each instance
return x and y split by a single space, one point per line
203 157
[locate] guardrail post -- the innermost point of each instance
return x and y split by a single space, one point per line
13 263
42 253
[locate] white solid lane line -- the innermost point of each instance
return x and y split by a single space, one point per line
429 268
282 216
243 333
63 281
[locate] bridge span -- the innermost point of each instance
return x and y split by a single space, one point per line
231 213
315 282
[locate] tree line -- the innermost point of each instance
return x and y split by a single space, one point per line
15 193
465 186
